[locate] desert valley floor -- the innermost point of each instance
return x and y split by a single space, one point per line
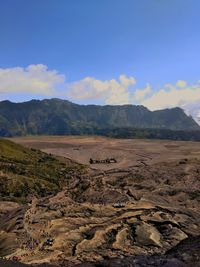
143 210
127 152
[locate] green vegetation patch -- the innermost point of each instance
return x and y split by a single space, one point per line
26 172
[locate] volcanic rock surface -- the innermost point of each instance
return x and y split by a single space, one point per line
141 215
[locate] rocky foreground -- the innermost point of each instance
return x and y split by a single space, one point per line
140 216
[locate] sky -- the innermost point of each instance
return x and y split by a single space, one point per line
143 52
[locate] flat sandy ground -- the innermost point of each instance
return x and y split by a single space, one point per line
127 152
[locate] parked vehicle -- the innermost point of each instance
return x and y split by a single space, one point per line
104 161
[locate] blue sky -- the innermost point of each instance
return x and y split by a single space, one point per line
85 46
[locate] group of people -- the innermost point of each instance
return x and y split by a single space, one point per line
31 244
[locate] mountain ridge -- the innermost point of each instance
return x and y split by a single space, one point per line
62 117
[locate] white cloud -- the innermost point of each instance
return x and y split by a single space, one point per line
193 109
111 92
187 98
35 79
181 83
39 80
172 98
141 94
126 81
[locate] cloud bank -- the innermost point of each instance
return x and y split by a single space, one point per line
111 92
37 80
186 97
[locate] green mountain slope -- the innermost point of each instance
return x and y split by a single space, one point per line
26 172
61 117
